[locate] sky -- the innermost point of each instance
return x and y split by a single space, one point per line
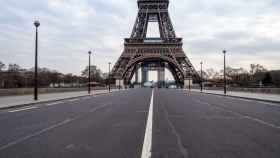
247 29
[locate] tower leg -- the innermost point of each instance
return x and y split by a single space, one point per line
144 75
161 76
137 76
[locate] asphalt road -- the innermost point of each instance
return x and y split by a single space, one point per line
184 125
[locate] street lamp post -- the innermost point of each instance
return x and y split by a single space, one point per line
201 77
225 80
36 24
109 77
89 73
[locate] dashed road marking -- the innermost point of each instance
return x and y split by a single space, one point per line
147 145
261 122
35 134
73 100
242 115
240 99
45 130
54 103
24 109
100 107
267 103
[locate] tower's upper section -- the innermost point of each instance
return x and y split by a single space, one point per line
153 11
162 3
153 1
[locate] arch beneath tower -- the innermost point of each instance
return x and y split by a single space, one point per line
153 63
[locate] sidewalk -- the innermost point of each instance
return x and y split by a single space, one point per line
14 101
255 96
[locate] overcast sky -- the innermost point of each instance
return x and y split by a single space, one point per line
248 29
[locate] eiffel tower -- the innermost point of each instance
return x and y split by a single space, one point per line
141 52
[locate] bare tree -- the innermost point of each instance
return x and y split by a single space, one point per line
211 73
14 68
2 66
276 77
96 74
256 68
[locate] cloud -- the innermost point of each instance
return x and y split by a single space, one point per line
249 30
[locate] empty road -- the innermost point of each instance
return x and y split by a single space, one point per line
143 123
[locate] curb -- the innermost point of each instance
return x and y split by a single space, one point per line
49 101
232 96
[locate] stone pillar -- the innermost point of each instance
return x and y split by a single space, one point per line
137 75
120 83
188 82
145 75
117 82
161 76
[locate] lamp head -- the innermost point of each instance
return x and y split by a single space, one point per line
36 23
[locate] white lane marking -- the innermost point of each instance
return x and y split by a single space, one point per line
240 99
69 120
242 116
147 145
35 134
219 96
267 103
24 109
100 107
261 122
73 100
54 103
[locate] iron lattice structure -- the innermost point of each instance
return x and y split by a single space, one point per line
167 48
